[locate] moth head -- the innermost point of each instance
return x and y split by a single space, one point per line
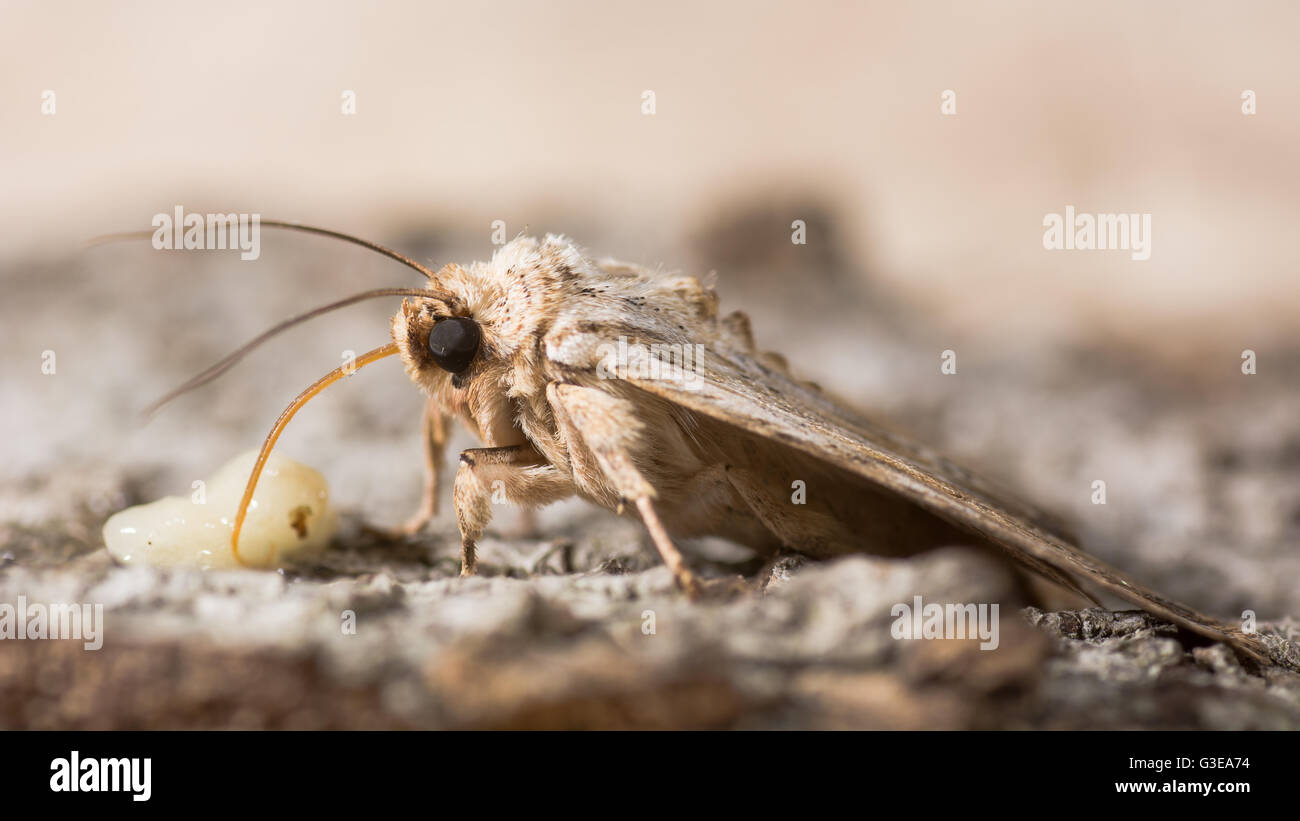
484 322
438 343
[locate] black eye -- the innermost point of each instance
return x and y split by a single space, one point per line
453 343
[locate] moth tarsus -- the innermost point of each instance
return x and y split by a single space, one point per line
555 362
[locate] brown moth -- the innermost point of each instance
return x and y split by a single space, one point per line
598 379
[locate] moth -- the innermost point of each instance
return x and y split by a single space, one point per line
594 378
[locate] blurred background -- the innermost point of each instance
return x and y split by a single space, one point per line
924 234
532 113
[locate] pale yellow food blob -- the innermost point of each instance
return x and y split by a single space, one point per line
290 516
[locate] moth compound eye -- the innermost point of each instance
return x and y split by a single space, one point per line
453 342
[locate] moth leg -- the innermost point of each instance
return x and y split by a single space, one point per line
606 426
514 473
668 551
433 433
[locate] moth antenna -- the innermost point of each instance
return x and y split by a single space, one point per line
292 226
231 359
280 423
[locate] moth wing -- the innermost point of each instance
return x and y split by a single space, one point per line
732 386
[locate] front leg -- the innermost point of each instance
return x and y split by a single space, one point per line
433 433
514 473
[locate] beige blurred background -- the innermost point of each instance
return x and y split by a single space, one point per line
531 113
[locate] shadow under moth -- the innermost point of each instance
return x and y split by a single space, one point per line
596 378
